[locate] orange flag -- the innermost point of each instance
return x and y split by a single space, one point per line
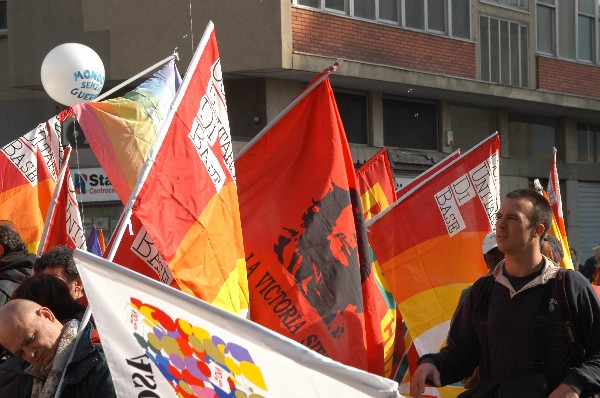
29 167
309 271
554 237
187 197
429 242
553 195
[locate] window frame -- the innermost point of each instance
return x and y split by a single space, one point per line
436 111
4 31
504 3
349 12
523 80
556 31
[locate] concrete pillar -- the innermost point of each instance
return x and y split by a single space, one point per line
375 119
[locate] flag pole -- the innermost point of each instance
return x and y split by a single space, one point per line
330 69
128 210
175 56
57 188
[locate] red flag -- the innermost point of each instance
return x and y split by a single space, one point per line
187 197
137 252
65 227
377 191
376 184
553 192
447 216
309 271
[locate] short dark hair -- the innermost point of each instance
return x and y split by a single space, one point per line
10 238
541 212
58 256
52 292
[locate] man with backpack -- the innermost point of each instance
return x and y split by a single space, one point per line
533 329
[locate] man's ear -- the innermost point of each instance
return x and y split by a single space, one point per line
539 230
1 250
45 312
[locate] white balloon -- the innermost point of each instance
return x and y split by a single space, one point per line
72 73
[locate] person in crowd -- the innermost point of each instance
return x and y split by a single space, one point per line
33 333
575 260
596 274
47 291
16 264
590 265
50 291
508 336
491 254
58 261
552 248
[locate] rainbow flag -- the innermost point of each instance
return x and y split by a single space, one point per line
120 131
429 243
29 167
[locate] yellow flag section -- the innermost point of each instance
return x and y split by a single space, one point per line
554 238
375 183
429 242
29 170
188 201
558 220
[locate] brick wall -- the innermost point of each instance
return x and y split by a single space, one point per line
315 32
568 77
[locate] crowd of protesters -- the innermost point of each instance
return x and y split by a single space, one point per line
42 304
506 337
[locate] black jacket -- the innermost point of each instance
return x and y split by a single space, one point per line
511 318
14 269
14 382
87 375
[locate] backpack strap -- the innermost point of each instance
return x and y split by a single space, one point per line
480 300
540 331
560 292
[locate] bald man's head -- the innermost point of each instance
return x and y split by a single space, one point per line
29 331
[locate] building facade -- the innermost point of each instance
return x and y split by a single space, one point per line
420 77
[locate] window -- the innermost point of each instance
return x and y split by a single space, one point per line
588 143
445 17
389 10
546 31
353 112
409 124
503 52
531 137
585 30
568 29
3 25
522 4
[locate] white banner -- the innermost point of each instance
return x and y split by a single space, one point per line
160 342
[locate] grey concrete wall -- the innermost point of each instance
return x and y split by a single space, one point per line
131 35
